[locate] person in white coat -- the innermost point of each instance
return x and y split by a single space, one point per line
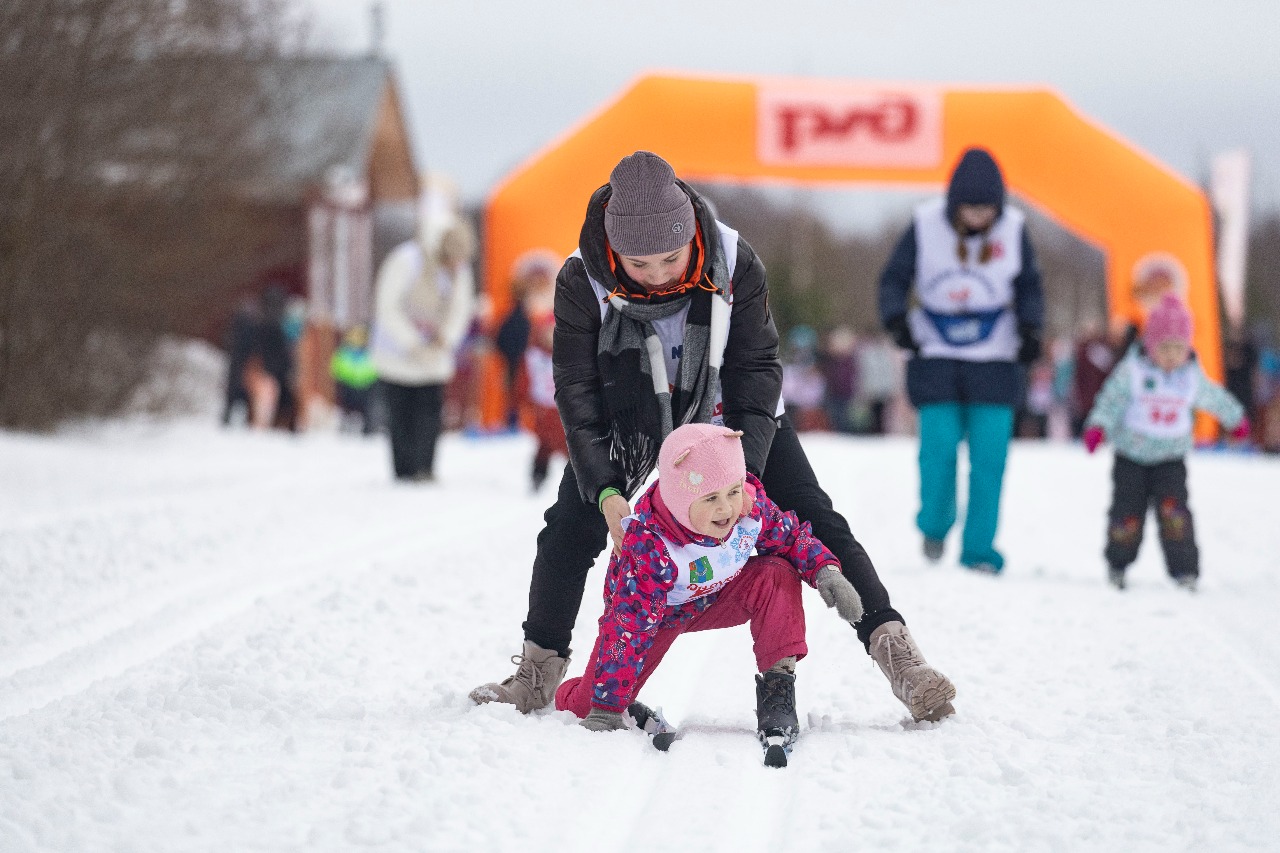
424 304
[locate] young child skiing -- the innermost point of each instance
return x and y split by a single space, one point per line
686 564
1145 409
540 386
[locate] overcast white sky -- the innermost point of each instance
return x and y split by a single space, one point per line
489 82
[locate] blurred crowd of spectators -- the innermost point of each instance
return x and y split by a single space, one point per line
840 381
844 382
855 384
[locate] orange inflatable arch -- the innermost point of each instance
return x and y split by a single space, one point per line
1139 213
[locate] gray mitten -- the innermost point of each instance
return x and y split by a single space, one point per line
837 592
600 720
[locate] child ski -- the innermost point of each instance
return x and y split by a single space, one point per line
661 733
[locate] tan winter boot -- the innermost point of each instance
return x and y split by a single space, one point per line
534 684
926 692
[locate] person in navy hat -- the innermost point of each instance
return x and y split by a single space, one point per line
976 324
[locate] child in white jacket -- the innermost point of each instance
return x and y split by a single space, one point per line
1145 409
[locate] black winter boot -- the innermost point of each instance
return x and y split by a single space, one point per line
777 725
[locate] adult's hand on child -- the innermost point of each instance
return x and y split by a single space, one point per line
1094 436
837 592
600 720
1241 432
615 508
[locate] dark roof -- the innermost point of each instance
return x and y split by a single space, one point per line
324 114
273 128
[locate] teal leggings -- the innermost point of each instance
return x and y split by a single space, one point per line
988 429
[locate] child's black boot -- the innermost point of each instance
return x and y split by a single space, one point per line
777 725
1116 577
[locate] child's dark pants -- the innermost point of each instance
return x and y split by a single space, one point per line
1135 487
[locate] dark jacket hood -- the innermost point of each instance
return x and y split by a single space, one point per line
976 180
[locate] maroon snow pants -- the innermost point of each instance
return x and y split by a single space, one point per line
766 593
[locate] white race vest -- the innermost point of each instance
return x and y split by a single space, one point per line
965 309
542 383
670 330
702 569
1160 403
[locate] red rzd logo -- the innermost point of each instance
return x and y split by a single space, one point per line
849 126
892 120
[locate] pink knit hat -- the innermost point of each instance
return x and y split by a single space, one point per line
696 460
1168 320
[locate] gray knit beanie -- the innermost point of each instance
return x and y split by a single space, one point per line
648 213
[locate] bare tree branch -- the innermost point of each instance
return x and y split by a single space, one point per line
126 129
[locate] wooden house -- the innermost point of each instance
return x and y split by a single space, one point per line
340 182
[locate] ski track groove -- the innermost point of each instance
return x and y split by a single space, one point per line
154 498
749 804
1231 652
113 638
71 623
112 629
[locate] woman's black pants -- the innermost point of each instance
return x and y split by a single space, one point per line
576 532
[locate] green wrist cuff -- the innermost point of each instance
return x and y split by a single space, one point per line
605 493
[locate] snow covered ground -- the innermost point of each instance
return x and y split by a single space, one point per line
223 641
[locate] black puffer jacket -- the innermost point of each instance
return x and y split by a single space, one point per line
751 377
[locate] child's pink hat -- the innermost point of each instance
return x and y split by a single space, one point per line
1168 320
696 460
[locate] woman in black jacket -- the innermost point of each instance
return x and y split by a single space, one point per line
662 318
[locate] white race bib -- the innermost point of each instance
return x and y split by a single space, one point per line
702 570
1160 403
964 310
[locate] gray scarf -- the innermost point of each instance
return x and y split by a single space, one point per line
633 367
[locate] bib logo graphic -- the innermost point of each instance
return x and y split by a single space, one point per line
965 332
958 288
700 571
838 125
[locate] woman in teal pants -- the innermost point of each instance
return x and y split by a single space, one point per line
962 293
